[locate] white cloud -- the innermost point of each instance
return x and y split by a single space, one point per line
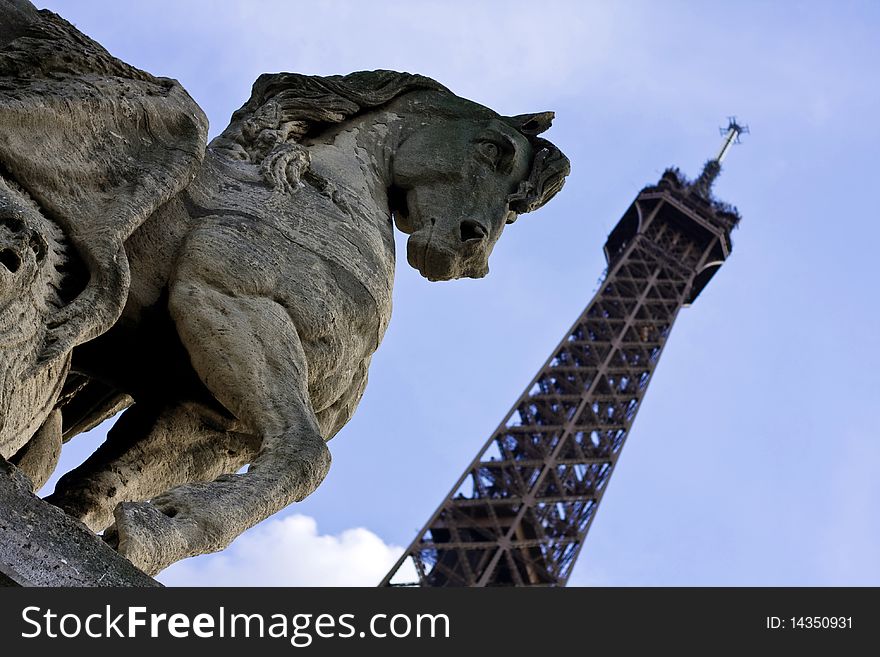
289 551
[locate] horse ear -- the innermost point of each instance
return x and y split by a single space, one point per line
531 124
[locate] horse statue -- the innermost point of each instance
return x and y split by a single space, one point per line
228 296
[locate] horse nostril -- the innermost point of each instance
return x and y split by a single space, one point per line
472 230
10 259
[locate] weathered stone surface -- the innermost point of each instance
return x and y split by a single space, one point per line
235 291
89 148
42 546
38 458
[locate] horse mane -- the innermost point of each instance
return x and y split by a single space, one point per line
286 107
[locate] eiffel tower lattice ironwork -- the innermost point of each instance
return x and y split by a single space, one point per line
519 514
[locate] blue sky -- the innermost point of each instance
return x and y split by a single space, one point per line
754 458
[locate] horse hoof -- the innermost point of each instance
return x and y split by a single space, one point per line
149 538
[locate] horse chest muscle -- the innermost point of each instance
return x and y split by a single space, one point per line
328 263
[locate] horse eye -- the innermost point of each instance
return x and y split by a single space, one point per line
490 150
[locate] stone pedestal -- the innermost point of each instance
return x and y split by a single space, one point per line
42 546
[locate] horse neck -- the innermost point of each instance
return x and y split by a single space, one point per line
355 159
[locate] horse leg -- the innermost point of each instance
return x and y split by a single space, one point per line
151 448
38 458
247 352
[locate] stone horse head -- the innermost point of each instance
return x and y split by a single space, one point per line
459 173
483 170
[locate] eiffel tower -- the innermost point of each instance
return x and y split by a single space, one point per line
519 514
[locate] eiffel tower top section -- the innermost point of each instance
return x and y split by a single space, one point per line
689 208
